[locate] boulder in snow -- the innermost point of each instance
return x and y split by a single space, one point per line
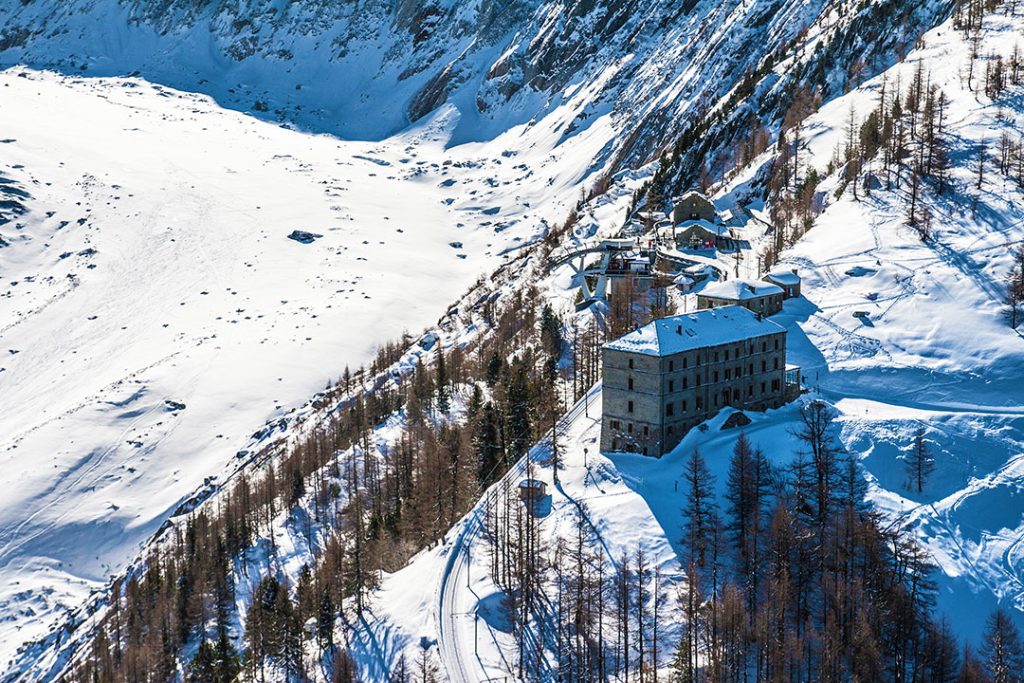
303 236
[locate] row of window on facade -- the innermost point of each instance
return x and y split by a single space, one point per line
699 401
712 377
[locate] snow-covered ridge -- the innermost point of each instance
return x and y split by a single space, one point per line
367 69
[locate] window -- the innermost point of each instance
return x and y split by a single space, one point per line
776 343
684 406
716 356
750 369
629 427
764 366
615 424
727 354
629 383
685 382
671 365
698 379
775 365
645 430
629 407
735 394
762 388
630 363
764 346
669 410
750 390
716 375
728 373
700 403
684 362
670 430
716 400
775 385
671 386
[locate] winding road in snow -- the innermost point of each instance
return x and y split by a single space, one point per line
454 601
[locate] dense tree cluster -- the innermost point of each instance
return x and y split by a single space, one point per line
361 513
798 579
792 578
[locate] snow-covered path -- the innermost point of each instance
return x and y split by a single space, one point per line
458 603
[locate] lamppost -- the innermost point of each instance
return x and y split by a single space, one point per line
585 458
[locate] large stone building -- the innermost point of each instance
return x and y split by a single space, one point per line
670 375
754 295
692 206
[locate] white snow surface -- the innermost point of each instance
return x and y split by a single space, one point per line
154 312
739 289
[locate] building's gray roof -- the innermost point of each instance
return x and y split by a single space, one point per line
783 277
713 228
692 192
741 290
711 327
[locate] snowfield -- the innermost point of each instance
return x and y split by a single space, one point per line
154 312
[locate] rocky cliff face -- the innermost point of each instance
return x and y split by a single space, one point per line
369 68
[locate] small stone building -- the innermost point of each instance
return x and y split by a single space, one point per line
789 280
694 205
758 296
531 490
702 234
670 375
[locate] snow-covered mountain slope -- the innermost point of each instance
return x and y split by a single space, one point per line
155 313
933 349
366 69
933 352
